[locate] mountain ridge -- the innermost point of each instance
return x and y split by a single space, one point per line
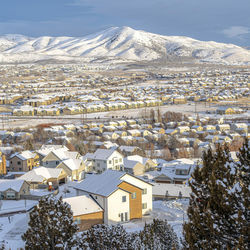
121 43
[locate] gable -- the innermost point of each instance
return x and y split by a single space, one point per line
115 154
135 181
50 157
65 168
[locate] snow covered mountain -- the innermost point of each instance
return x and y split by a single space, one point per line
119 43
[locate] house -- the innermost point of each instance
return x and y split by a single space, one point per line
163 191
223 127
182 129
73 167
134 132
209 127
86 211
121 195
176 171
239 126
133 167
41 176
13 189
128 149
54 157
104 159
46 149
225 111
23 162
147 162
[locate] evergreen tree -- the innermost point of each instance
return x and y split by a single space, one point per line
105 237
51 226
213 203
158 235
243 195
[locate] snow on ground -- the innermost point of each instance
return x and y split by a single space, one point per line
174 211
11 231
13 205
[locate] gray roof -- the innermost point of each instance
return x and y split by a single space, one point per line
102 184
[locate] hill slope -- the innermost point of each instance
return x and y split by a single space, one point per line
119 43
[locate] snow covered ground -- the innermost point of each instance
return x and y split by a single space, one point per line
174 211
11 231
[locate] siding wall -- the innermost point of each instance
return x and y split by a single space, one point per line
135 205
88 220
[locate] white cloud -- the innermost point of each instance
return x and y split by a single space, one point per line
236 31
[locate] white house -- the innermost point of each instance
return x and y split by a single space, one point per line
104 159
121 195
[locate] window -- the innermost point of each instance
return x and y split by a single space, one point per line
116 160
110 161
77 220
133 196
57 162
144 205
120 160
144 191
18 163
124 198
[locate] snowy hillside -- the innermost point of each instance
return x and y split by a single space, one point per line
121 43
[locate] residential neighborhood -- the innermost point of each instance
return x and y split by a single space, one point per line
122 150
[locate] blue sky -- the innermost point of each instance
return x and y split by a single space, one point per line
219 20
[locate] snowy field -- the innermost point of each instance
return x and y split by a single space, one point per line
174 211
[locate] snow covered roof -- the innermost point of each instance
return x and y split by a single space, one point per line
72 164
102 184
173 189
82 205
102 154
40 174
11 184
138 158
129 163
62 154
25 155
46 149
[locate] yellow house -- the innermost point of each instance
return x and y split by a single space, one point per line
2 164
180 100
225 111
74 168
